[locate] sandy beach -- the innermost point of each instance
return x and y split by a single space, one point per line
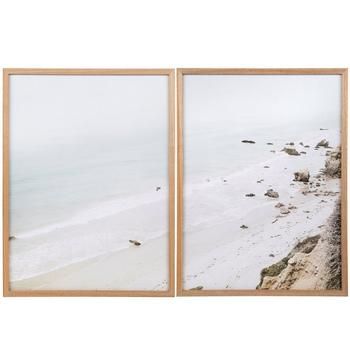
132 268
230 237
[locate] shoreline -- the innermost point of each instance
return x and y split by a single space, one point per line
134 268
235 240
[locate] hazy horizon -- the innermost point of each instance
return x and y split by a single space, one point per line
54 109
260 99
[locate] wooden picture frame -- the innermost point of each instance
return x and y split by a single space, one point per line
170 74
200 291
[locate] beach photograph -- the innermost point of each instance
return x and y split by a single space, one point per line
88 182
262 182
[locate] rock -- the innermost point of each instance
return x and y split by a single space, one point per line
290 144
270 143
244 226
302 176
284 211
266 166
302 152
271 255
306 146
333 164
301 144
271 193
225 180
137 243
197 288
279 205
291 151
323 129
12 238
158 188
250 195
291 207
323 143
273 151
248 141
260 181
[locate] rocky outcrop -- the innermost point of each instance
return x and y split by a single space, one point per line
314 263
333 164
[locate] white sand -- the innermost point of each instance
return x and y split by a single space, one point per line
134 268
218 253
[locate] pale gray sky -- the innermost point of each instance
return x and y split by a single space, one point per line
48 110
249 99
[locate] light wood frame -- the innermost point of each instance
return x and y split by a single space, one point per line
180 113
171 178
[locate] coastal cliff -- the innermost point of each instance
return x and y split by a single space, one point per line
315 262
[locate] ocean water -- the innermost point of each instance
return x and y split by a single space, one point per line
74 202
216 151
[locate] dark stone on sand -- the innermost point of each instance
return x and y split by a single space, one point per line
158 188
137 243
266 166
197 288
271 255
12 238
270 143
248 141
279 205
271 193
250 195
291 151
323 143
323 129
243 226
302 176
284 211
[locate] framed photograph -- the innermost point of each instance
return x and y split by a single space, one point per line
262 187
89 162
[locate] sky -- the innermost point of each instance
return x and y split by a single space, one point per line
261 99
61 110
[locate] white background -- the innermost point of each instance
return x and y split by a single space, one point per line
181 33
